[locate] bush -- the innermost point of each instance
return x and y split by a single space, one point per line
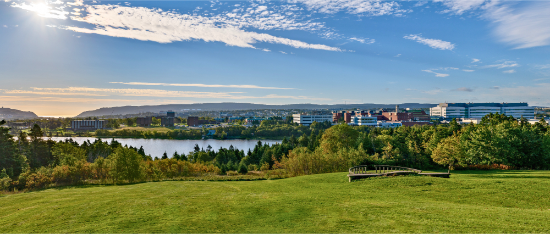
232 173
242 169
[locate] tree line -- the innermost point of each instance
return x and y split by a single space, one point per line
497 142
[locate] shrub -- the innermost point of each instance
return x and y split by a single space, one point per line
232 173
242 169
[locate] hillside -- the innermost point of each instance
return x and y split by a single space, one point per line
235 106
10 114
480 201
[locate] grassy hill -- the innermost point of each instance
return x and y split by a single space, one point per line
494 201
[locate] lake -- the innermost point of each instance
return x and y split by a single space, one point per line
156 147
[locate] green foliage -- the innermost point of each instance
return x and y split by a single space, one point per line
126 165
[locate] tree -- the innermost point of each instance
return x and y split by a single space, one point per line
449 152
176 156
242 168
126 165
338 137
164 155
155 121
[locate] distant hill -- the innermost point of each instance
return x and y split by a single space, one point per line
9 114
123 110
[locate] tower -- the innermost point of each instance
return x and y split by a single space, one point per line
396 108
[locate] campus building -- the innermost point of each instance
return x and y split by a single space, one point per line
81 125
306 120
479 110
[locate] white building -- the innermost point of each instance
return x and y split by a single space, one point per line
389 124
479 110
364 121
88 124
309 119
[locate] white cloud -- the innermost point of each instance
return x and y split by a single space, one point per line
475 60
43 10
436 74
434 43
525 27
164 27
367 7
397 56
468 70
198 85
282 52
504 64
458 7
363 40
266 50
5 26
85 91
509 71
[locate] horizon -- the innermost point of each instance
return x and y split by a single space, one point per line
62 58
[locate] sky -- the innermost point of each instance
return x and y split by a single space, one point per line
60 58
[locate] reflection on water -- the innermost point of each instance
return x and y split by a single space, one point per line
156 147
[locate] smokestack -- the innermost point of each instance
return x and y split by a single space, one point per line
396 108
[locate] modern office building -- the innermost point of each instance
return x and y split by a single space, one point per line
82 125
479 110
306 120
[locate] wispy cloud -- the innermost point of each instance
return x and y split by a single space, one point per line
525 27
199 85
509 71
463 89
458 7
164 27
436 74
366 7
505 64
475 60
43 10
363 40
466 70
106 92
434 43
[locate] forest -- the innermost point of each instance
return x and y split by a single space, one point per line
498 142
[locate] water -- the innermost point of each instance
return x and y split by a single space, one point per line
156 147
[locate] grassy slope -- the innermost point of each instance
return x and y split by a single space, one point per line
497 201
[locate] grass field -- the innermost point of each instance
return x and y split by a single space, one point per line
470 201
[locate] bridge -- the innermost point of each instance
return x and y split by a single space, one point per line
363 171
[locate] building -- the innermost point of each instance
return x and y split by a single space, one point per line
144 121
389 124
479 110
171 114
361 120
419 123
396 116
193 121
167 121
82 125
306 120
253 120
419 115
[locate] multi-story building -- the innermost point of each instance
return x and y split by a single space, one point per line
167 121
87 124
306 120
193 121
479 110
144 121
361 120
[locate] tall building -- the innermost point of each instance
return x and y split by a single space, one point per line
193 121
479 110
144 121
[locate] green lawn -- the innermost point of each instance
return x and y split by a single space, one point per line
475 201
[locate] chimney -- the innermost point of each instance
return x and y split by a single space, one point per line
396 108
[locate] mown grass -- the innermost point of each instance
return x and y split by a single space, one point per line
470 201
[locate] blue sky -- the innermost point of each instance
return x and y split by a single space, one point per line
60 58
